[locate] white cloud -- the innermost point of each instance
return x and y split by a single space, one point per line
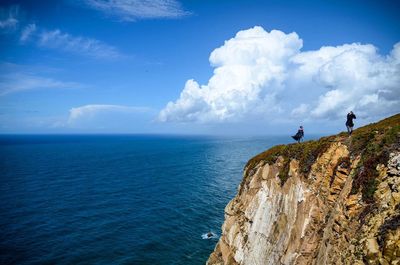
27 32
353 77
8 23
131 10
265 74
300 110
55 39
18 82
9 18
90 111
249 72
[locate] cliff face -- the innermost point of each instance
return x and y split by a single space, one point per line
331 201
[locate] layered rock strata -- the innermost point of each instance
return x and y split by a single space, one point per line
337 203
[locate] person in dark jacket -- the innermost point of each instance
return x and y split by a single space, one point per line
299 135
349 122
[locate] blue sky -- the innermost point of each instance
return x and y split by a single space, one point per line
196 67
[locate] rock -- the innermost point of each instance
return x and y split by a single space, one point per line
391 248
382 261
372 249
315 216
396 197
336 228
352 201
394 164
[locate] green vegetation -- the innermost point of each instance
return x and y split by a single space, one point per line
268 156
306 153
373 143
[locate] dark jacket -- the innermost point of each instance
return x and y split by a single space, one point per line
299 135
350 117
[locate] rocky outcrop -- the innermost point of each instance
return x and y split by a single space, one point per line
332 201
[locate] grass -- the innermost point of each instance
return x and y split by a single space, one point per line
373 143
306 153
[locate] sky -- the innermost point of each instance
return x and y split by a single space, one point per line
197 67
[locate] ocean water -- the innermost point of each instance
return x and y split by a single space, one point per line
117 199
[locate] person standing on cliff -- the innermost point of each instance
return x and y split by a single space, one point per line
299 135
349 122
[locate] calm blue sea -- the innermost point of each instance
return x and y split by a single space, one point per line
117 199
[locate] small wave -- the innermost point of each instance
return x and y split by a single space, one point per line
209 235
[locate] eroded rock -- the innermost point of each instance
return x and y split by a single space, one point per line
314 217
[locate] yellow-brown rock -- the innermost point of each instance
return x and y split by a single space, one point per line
332 201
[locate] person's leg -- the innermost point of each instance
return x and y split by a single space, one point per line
351 130
348 129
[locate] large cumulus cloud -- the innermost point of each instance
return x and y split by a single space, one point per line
265 74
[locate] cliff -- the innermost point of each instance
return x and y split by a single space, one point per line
331 201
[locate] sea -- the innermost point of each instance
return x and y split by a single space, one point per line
118 199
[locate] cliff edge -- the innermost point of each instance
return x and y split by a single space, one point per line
331 201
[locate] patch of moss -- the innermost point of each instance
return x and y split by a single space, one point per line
284 171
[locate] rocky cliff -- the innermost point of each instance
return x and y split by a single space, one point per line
331 201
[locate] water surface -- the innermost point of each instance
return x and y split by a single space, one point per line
117 199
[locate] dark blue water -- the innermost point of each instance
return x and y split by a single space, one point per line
117 199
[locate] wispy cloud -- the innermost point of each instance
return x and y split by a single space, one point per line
131 10
58 40
91 110
13 80
55 39
9 18
27 32
18 82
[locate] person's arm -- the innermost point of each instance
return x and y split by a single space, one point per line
354 115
